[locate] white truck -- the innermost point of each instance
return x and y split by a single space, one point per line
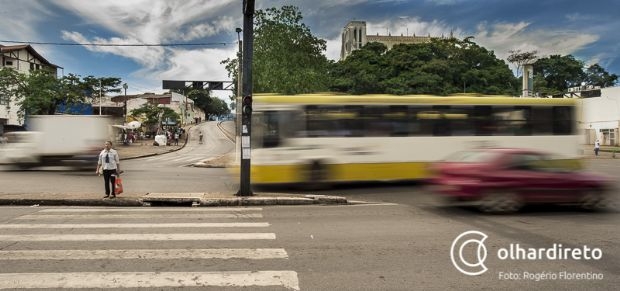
72 140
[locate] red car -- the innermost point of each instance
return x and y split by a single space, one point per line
503 180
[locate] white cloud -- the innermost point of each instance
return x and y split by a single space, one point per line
148 56
24 27
333 48
222 24
503 37
195 64
149 21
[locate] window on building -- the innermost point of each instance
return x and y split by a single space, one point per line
4 99
8 63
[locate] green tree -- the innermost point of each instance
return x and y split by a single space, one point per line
152 115
10 82
598 76
93 85
287 57
217 107
439 67
559 73
42 92
202 99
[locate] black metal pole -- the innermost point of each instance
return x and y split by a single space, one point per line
246 120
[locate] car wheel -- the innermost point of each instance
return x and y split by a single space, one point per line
594 200
500 202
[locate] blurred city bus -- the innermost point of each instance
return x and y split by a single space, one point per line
318 138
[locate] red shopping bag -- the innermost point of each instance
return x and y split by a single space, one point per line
118 186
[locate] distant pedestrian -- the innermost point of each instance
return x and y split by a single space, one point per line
176 138
200 137
109 166
597 147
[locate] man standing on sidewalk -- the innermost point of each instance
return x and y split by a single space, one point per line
108 164
597 147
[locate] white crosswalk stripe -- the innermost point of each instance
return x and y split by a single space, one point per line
137 237
135 225
159 241
139 216
287 279
146 254
142 209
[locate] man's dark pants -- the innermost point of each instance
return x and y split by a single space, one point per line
109 177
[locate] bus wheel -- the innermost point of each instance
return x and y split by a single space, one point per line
316 175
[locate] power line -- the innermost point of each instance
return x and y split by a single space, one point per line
120 45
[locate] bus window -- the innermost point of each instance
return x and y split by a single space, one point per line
563 120
511 120
271 129
483 120
333 121
542 120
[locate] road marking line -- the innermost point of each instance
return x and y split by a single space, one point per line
232 209
364 203
141 216
137 236
145 254
100 280
184 159
135 225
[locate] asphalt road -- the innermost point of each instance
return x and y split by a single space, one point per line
401 242
361 247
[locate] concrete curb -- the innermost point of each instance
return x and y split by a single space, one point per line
181 201
72 202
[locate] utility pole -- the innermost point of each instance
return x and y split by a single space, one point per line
125 107
246 120
100 97
239 87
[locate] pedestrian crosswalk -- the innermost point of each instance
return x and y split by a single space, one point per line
185 159
123 243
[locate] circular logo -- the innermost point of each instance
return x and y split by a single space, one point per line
460 243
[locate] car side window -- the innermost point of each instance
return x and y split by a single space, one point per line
525 162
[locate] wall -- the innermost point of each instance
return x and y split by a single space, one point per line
600 113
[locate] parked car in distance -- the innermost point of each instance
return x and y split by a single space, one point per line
503 180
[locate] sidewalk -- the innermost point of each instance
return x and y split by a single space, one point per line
145 148
606 152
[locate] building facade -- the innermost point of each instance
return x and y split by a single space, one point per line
354 37
599 117
24 59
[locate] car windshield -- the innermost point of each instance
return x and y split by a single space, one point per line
471 157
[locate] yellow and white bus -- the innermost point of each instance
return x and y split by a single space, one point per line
317 138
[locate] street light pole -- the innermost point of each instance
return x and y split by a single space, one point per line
125 105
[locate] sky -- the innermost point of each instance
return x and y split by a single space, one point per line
587 30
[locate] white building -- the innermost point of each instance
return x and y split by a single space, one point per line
354 37
599 117
24 59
